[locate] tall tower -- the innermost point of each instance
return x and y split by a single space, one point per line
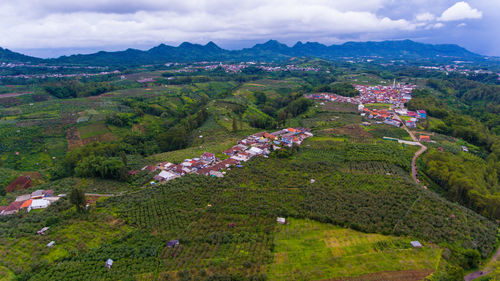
394 84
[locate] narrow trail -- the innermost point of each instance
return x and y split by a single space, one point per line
485 271
422 149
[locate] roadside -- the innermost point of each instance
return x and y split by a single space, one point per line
487 269
423 148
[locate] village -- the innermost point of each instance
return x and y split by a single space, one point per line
259 144
395 96
39 199
238 67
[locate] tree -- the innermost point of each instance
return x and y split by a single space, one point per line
235 125
77 198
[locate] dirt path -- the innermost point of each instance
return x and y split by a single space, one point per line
422 149
485 271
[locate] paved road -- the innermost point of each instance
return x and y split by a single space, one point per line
486 270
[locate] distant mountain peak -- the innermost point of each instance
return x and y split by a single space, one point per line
271 50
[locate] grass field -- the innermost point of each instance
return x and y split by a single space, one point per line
93 130
309 250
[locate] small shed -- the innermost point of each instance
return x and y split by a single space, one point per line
416 244
109 263
51 244
281 220
42 231
172 243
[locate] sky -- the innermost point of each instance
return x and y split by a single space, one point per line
50 28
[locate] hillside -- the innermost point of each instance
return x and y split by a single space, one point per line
269 51
7 55
152 151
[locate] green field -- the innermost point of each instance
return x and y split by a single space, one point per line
309 250
93 130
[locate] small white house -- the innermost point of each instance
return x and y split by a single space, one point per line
281 220
51 244
39 204
416 244
42 231
165 176
255 151
109 263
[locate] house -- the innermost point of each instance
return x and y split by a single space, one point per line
208 157
149 168
422 114
48 193
281 220
416 244
412 114
165 176
424 138
464 148
216 174
361 107
242 156
270 136
2 208
392 122
42 231
172 243
23 197
26 204
39 204
109 263
37 194
411 124
13 208
255 151
51 244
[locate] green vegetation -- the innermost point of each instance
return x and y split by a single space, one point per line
352 205
307 250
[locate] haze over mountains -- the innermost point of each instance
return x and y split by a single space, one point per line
272 50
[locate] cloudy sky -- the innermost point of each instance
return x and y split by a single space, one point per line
54 27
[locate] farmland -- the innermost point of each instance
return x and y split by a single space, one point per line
351 204
310 250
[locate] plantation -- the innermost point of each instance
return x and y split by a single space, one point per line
351 204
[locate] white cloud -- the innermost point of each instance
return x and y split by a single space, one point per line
460 11
425 17
462 24
60 23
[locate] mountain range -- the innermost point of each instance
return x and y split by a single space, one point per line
272 50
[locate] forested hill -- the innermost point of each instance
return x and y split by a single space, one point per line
272 51
7 55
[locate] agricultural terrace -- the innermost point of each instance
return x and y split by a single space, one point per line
309 250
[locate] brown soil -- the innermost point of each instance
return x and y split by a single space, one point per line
405 275
73 138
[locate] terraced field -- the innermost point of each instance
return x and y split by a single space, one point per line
309 250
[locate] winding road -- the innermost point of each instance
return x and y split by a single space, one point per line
422 149
485 271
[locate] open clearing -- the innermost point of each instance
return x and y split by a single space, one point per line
309 250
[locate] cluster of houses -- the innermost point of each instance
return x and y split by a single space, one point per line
38 199
259 144
396 95
58 75
237 67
